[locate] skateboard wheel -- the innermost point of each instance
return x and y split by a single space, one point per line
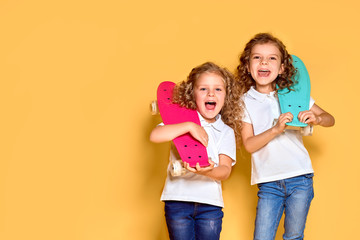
154 108
307 131
176 168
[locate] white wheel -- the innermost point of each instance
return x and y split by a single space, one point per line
307 131
176 168
154 108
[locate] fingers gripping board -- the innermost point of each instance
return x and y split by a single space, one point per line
298 99
190 150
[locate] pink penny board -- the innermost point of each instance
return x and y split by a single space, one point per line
190 150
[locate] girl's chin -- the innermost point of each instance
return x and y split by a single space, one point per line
210 120
209 117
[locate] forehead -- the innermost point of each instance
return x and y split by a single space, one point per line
266 49
210 78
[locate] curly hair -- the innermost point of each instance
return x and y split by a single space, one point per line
231 112
243 75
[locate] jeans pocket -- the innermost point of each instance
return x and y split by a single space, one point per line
309 175
308 179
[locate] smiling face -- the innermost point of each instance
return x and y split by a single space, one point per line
209 91
265 65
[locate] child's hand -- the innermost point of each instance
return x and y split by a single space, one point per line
283 119
199 134
198 169
308 117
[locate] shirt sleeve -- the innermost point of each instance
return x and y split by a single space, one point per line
311 103
227 145
246 118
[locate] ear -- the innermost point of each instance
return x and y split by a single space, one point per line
281 69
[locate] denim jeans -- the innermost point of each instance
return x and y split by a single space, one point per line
190 221
292 195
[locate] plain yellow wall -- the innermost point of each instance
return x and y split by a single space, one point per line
76 80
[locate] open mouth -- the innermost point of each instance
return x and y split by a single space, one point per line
210 105
264 73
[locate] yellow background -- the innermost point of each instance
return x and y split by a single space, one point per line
76 80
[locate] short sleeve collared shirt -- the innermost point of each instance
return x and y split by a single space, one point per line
283 157
193 187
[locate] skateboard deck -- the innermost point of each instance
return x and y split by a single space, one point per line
190 150
298 99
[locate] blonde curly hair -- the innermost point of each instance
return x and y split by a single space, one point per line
231 112
243 75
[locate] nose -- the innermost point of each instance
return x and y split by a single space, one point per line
211 93
264 62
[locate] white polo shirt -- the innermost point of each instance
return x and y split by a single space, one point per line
283 157
192 187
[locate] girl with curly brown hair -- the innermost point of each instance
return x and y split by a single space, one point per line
193 201
281 166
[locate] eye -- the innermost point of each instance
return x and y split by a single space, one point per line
273 58
218 89
202 89
256 57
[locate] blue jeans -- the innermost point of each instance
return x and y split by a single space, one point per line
292 195
190 221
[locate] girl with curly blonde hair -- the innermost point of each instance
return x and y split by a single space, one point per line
232 110
193 201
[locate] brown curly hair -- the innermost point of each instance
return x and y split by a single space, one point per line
243 75
231 112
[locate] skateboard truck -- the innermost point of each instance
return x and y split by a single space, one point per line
304 131
177 168
154 108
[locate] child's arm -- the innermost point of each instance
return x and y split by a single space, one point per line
219 173
253 143
168 132
317 116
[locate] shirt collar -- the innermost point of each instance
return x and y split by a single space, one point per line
217 125
258 95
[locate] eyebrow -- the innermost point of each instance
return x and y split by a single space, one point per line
262 54
205 85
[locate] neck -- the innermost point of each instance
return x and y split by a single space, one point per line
265 89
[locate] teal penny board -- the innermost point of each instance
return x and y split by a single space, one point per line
298 99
